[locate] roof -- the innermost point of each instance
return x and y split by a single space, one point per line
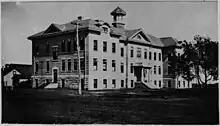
95 25
168 41
118 11
24 69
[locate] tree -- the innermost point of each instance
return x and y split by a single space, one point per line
187 61
206 62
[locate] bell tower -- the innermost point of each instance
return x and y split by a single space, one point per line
118 15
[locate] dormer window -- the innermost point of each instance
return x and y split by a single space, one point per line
105 30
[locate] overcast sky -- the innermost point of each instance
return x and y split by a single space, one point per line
181 20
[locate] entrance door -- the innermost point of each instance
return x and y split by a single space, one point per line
138 73
82 84
63 83
55 75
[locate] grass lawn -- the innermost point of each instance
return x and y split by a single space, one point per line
151 107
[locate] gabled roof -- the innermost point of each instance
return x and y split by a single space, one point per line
25 70
168 41
118 11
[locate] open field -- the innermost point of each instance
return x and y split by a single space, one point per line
191 106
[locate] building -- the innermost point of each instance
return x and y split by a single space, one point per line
14 74
111 56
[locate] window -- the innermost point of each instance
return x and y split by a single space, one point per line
113 66
95 64
169 69
145 54
155 56
36 82
105 30
122 51
95 83
95 45
155 67
82 43
122 67
37 49
69 46
138 52
105 83
159 83
47 47
36 67
104 46
178 83
131 67
188 85
104 64
82 63
113 47
122 83
47 66
63 46
159 70
132 52
149 55
69 64
159 55
55 53
63 65
75 64
132 83
113 83
184 84
155 82
74 45
178 54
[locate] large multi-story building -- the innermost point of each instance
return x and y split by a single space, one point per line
111 56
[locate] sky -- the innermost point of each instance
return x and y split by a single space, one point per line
181 20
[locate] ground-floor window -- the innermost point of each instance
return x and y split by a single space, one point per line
159 83
63 83
122 83
105 83
132 83
95 83
169 84
36 81
178 83
155 82
113 83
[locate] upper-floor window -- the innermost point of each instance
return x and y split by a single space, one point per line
138 52
131 67
47 47
82 43
63 65
104 46
149 55
63 46
95 83
145 54
82 63
37 49
155 56
155 69
74 45
113 47
159 70
132 51
36 67
69 45
55 48
159 55
47 66
95 45
95 64
104 64
105 83
122 51
113 66
69 65
75 63
122 67
169 69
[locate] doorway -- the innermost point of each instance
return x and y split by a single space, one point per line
55 75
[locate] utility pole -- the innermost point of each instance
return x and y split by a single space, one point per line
78 56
